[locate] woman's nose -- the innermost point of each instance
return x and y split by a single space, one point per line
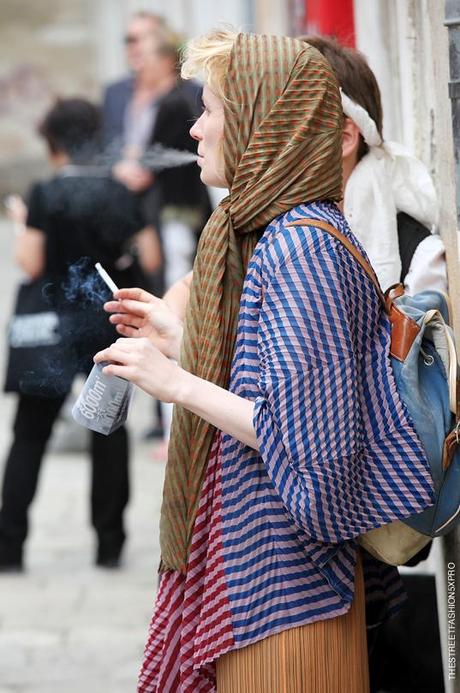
195 130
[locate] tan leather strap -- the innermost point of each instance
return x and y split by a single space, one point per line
351 249
403 329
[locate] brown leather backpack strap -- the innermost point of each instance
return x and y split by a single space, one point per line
403 329
351 249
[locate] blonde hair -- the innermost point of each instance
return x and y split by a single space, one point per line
208 57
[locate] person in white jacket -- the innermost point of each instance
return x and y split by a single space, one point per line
389 198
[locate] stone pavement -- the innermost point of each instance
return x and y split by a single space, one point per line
65 625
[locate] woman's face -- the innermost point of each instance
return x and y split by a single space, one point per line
208 131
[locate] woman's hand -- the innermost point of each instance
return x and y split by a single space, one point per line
137 313
140 362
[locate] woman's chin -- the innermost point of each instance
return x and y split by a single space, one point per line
206 178
213 180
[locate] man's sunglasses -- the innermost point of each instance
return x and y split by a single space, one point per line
130 39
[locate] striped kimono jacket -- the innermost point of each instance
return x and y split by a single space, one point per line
274 544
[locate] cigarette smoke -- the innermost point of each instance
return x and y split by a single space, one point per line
84 286
155 158
84 328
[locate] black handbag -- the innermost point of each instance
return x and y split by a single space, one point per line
37 352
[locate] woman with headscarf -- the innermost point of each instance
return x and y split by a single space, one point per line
289 439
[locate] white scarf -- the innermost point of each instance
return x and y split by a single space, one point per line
387 180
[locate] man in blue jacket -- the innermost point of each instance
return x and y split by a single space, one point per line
151 107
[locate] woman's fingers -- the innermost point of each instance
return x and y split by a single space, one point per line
112 306
128 345
135 294
119 352
128 306
116 369
135 307
126 319
127 331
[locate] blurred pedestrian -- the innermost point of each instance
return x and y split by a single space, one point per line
391 206
274 467
78 217
153 107
138 91
156 107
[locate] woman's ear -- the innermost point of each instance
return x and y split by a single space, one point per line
350 141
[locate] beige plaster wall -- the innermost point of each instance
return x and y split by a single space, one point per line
46 49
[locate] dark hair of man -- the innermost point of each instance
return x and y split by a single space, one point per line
354 76
72 126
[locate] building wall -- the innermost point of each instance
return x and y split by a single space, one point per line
273 16
41 49
406 44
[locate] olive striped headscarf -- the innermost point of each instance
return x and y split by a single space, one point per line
282 147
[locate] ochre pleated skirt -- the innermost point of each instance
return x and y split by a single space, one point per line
322 657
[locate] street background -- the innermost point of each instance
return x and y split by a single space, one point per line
65 625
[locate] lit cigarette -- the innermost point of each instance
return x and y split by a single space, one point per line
106 277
